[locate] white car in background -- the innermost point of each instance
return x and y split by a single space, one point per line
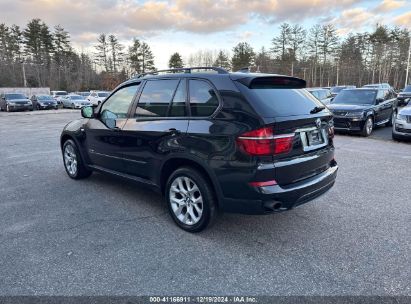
57 95
97 97
75 101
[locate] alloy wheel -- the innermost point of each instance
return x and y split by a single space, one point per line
186 200
369 126
70 159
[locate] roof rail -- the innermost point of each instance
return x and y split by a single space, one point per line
185 70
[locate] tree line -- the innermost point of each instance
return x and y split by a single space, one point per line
38 55
321 56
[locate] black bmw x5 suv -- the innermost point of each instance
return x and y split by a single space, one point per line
209 140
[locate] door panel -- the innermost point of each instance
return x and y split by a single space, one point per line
147 143
104 144
104 136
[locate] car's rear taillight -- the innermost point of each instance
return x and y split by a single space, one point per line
262 142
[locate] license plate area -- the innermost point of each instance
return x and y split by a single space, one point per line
313 138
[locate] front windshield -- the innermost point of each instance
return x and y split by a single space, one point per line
337 89
15 96
102 94
76 97
356 97
44 97
407 89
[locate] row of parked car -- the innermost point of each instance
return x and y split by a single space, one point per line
56 99
360 110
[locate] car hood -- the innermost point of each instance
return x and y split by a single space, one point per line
348 107
18 100
405 111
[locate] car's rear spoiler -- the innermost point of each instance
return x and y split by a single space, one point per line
256 81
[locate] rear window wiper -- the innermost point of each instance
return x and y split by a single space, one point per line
317 109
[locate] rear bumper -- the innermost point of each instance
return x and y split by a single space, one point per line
276 198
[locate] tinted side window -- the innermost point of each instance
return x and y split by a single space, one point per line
117 105
203 99
323 94
156 97
328 94
178 107
315 94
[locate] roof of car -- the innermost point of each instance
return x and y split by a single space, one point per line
364 89
316 89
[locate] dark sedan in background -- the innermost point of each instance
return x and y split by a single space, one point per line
42 102
323 95
404 96
360 110
15 102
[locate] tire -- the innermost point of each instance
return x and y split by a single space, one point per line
73 162
368 127
190 216
392 118
37 107
395 137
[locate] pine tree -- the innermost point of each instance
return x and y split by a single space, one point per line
147 58
116 52
102 51
243 56
175 61
61 49
141 57
222 60
134 55
32 40
281 43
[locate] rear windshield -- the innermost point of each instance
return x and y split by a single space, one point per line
407 89
102 94
283 102
356 97
61 93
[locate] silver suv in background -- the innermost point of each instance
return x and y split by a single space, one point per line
402 124
97 97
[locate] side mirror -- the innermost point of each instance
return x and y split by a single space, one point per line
379 100
87 112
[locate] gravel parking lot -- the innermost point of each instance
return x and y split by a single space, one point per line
105 236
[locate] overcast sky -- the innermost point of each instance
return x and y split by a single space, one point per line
189 25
